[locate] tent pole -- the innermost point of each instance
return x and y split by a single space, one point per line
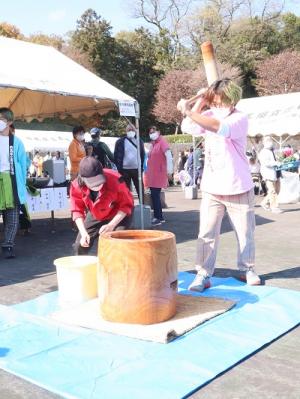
276 141
141 200
286 139
281 141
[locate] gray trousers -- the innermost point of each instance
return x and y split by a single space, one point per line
240 209
11 224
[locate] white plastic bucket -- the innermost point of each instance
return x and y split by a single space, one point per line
76 278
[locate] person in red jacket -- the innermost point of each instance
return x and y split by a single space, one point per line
100 202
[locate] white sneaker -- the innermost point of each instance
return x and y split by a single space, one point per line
276 210
265 207
250 277
156 222
200 283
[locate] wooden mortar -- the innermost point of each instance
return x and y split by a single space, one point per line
137 277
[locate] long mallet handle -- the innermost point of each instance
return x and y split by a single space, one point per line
210 63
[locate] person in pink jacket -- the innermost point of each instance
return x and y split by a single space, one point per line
159 167
226 183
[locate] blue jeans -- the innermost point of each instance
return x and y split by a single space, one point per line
155 196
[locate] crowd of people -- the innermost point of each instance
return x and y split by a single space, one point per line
265 167
89 161
100 194
156 166
102 180
35 167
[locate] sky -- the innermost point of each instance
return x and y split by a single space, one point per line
59 16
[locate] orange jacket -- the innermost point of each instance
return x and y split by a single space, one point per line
76 153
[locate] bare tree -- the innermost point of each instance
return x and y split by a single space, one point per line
166 15
154 12
279 74
215 19
262 9
271 9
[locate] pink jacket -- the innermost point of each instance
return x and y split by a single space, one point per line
226 169
156 174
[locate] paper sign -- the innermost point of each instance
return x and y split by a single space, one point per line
127 108
50 199
33 203
47 199
60 198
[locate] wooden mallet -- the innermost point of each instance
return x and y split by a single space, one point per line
211 68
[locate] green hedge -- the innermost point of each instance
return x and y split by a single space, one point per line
179 138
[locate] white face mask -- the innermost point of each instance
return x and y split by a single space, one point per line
221 112
154 136
96 188
3 126
80 137
131 134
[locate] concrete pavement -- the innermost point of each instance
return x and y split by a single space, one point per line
273 372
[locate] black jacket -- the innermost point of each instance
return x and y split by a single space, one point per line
102 152
119 152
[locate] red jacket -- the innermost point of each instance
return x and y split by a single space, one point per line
114 196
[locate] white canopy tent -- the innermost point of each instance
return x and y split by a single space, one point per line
277 115
44 140
39 82
53 140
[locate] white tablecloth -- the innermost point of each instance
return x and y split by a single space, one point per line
290 188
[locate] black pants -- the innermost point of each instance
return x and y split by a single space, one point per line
11 224
157 208
25 223
92 227
132 175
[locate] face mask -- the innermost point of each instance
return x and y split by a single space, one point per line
93 184
3 126
154 136
96 188
131 134
80 137
221 112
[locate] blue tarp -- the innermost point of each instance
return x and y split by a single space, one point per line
81 363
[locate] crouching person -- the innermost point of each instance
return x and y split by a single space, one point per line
100 202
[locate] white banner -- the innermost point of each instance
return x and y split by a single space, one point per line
127 108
